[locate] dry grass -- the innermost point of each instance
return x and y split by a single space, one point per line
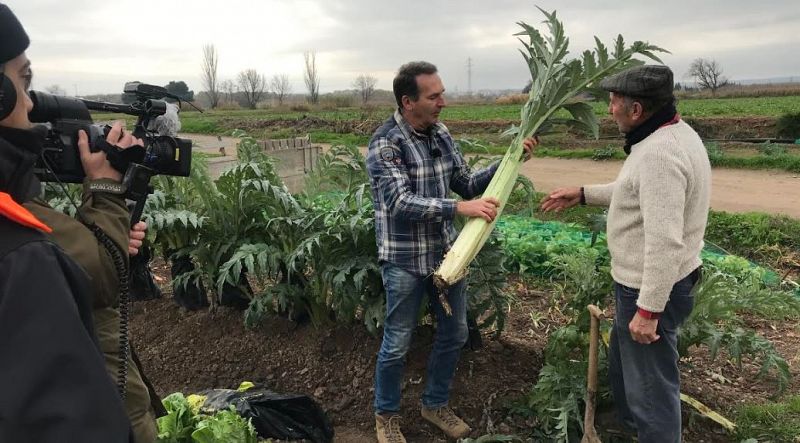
228 106
734 91
512 99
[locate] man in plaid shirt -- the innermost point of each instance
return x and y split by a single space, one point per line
413 164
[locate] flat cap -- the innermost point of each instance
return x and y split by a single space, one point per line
646 81
13 39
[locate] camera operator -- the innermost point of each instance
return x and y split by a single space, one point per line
103 207
53 385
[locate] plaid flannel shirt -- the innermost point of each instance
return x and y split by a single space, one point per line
411 175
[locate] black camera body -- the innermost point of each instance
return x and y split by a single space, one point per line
63 117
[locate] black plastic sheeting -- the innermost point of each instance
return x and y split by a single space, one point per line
193 296
281 416
143 286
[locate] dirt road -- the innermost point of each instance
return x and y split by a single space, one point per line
734 190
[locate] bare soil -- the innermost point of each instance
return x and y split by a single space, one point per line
191 351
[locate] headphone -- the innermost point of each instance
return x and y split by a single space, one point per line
8 96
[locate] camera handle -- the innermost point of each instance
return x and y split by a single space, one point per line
137 185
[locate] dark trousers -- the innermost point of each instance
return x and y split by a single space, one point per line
645 380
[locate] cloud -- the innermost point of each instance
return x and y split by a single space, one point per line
93 44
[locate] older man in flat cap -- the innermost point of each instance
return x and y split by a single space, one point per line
658 207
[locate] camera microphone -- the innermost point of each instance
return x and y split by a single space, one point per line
168 123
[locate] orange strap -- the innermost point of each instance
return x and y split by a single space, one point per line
18 214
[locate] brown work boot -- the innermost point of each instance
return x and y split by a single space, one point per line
388 428
445 419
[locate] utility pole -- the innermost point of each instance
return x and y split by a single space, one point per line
469 76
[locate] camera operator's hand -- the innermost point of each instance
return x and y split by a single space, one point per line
95 164
137 234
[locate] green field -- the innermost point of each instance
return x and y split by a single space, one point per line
723 107
353 126
728 107
739 107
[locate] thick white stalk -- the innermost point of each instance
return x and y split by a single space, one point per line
477 230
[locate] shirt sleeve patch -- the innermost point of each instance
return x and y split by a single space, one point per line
387 154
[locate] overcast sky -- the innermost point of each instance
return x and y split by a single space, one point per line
94 46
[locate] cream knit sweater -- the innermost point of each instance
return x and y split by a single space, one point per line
658 208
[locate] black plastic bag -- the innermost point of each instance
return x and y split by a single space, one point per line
143 286
193 295
236 296
281 416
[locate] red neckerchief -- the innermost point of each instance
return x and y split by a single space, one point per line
18 214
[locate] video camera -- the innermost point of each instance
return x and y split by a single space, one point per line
65 116
162 153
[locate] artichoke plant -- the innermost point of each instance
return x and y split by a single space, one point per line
558 84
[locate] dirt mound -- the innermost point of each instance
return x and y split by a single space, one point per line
479 126
707 127
734 127
306 122
190 351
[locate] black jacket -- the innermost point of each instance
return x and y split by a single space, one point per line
53 383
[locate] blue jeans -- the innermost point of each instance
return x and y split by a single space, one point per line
645 380
404 295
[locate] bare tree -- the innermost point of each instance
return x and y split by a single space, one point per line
365 85
312 76
55 90
280 87
252 84
708 74
210 60
229 88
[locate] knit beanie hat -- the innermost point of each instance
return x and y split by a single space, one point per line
13 39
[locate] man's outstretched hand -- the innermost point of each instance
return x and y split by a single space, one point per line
561 198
